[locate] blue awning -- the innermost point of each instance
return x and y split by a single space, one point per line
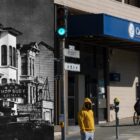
103 25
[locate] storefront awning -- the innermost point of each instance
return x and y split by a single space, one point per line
112 30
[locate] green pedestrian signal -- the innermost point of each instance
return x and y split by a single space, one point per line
61 31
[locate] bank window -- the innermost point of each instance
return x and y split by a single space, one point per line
4 55
4 81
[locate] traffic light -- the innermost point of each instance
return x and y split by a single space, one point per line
61 30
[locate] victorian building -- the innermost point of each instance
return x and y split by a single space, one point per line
37 70
27 77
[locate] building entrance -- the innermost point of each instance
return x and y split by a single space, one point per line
90 82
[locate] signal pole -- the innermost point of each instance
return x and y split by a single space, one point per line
64 103
62 35
64 75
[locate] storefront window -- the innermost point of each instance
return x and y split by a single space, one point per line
71 97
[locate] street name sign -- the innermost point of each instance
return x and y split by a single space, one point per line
72 67
71 52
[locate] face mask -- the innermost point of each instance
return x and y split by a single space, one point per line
88 106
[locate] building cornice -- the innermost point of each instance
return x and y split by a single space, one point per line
111 7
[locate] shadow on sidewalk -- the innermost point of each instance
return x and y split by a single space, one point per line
121 125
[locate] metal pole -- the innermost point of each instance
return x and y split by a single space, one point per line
117 123
64 99
64 77
64 110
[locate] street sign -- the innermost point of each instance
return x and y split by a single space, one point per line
72 67
71 52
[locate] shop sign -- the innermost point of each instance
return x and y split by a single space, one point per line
22 119
103 25
133 30
5 103
47 104
12 90
72 67
34 112
24 108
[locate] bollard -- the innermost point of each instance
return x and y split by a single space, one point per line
62 130
117 124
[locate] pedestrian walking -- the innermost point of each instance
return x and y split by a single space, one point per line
86 121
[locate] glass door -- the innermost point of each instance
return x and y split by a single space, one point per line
101 67
91 92
71 99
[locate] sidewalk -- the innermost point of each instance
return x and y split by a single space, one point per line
107 131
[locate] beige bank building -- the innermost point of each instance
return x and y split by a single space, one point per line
106 33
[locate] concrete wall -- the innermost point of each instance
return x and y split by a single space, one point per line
34 18
127 64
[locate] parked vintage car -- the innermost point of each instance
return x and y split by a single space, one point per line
12 129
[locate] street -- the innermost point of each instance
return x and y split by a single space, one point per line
127 131
108 133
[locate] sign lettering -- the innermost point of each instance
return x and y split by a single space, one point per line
10 91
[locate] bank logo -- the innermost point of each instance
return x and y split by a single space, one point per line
131 30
